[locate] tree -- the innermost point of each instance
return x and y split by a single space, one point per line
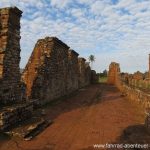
91 59
105 73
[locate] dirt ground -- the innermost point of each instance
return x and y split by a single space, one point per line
98 114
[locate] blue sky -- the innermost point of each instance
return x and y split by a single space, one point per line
112 30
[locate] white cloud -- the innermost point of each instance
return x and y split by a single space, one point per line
98 7
60 3
90 27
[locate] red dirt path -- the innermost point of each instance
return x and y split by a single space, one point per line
95 115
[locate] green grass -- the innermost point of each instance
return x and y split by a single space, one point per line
102 79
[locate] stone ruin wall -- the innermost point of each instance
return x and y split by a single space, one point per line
73 73
82 66
131 92
10 55
124 85
12 109
54 70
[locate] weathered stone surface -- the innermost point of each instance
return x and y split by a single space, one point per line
88 74
130 85
138 76
73 72
12 115
46 72
10 55
114 71
54 70
82 72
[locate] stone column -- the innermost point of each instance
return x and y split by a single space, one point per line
10 54
113 74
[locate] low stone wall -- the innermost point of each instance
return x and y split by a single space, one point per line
12 115
126 87
136 95
131 88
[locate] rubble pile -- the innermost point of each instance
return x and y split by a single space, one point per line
12 115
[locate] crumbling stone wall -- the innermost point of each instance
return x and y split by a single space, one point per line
10 84
12 115
88 74
82 72
46 72
35 61
73 72
54 71
125 84
138 76
10 54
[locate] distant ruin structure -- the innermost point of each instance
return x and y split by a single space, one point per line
10 55
133 86
114 71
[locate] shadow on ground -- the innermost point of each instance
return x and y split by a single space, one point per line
4 137
77 100
136 134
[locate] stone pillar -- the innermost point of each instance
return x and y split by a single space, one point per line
10 54
114 71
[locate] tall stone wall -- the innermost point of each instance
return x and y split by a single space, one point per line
82 72
73 72
10 55
36 60
88 74
54 70
46 72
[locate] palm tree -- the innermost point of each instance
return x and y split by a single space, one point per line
91 59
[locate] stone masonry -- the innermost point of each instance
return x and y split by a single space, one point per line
124 82
73 73
54 70
81 63
10 55
13 110
114 71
